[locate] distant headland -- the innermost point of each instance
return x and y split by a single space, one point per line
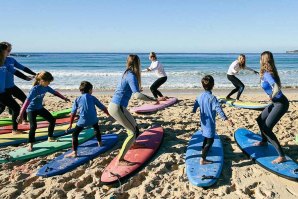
292 51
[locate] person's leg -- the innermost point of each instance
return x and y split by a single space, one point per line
8 101
278 110
75 142
206 148
261 120
124 118
97 133
33 126
19 94
241 89
156 85
52 122
232 79
2 108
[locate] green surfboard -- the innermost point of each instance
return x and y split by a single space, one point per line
56 114
46 147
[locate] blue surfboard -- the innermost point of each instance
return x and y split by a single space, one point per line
86 151
203 175
264 155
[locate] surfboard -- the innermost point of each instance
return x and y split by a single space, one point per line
40 134
148 108
151 140
56 114
203 175
264 155
244 104
46 147
25 127
86 151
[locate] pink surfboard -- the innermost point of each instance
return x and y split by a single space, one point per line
25 127
148 108
151 140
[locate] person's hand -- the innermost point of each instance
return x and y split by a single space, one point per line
67 100
230 122
19 119
256 72
29 78
141 89
69 127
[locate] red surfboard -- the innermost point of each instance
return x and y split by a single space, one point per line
151 140
25 127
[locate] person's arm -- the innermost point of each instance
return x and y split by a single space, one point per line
73 114
31 96
133 83
196 106
56 93
153 66
22 75
101 106
218 108
23 68
275 88
250 69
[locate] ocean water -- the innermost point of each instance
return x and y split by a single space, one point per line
184 71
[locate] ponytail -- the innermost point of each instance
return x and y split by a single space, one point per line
45 76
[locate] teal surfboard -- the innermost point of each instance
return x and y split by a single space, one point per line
46 148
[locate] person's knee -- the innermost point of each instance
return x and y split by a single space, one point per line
152 88
241 88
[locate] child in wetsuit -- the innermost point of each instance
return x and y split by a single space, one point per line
209 106
87 115
34 106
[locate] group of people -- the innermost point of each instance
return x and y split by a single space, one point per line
129 86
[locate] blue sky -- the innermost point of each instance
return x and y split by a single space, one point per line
155 25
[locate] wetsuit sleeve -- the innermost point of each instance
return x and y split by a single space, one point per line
21 75
74 107
275 88
250 69
56 93
196 106
29 71
218 108
100 106
31 96
18 65
133 83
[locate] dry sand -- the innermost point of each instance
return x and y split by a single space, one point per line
164 176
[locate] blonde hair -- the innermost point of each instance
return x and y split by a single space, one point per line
153 54
133 64
267 65
241 60
45 76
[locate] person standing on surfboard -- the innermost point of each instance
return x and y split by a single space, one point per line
11 88
235 67
271 84
209 106
6 97
160 73
130 83
87 117
33 105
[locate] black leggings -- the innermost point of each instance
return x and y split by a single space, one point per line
7 100
156 85
77 131
33 124
269 117
17 93
206 146
238 84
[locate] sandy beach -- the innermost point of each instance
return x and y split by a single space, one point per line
164 176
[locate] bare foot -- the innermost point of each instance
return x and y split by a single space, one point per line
237 100
156 103
202 162
125 163
30 147
260 144
15 132
100 144
279 160
71 155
